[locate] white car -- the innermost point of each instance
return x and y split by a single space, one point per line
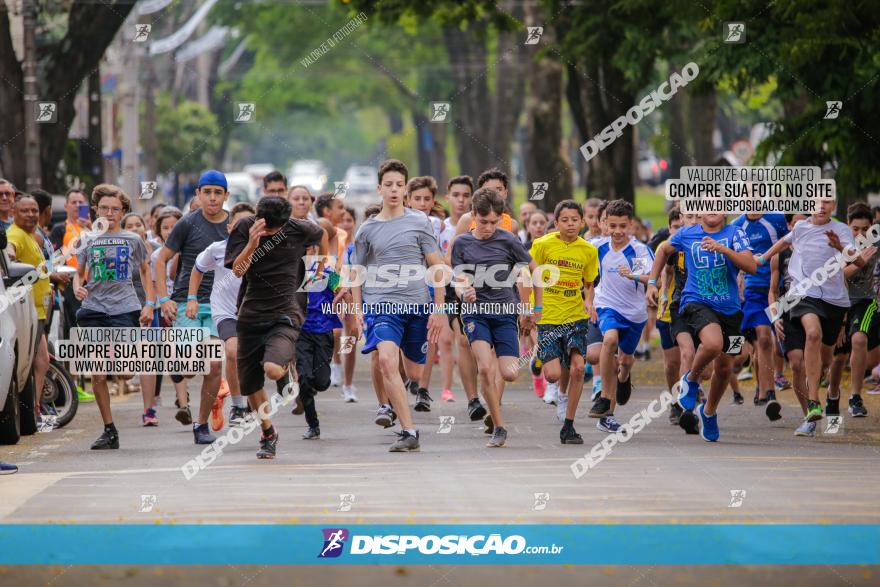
242 188
18 343
310 173
362 180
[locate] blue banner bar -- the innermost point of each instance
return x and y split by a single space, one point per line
542 544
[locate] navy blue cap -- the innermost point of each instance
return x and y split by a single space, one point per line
213 177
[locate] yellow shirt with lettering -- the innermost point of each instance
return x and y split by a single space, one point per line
577 261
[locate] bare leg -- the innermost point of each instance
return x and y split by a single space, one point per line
389 364
487 364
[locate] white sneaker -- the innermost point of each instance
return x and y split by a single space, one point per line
335 374
550 393
348 394
561 406
744 375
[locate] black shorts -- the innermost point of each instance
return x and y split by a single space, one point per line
226 329
795 339
594 334
697 316
862 318
259 342
314 351
92 319
831 317
677 325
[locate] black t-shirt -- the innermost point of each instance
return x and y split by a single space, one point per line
269 287
190 236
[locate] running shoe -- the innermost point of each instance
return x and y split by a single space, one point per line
312 434
217 419
385 417
490 426
423 401
298 407
550 393
781 383
687 396
8 468
744 375
832 406
184 416
202 435
624 391
689 423
412 386
561 406
608 424
773 410
335 374
499 437
674 414
348 394
857 407
536 365
708 425
447 396
806 428
108 440
760 401
84 396
738 398
539 384
405 442
597 387
237 416
149 417
46 424
814 411
570 436
268 446
601 407
476 411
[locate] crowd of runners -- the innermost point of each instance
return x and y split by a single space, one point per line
297 284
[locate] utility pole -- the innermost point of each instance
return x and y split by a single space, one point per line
31 130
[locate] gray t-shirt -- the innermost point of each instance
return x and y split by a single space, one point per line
392 244
190 236
112 261
861 283
501 249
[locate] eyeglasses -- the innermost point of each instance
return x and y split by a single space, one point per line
105 209
7 194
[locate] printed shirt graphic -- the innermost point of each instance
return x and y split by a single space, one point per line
763 234
577 261
811 251
711 277
621 294
111 261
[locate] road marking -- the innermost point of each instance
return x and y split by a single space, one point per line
18 489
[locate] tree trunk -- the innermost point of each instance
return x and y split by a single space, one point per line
702 117
12 159
512 58
679 154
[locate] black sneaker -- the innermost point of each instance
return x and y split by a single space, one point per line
489 424
237 416
423 400
832 406
601 407
624 391
856 407
412 386
202 434
312 434
107 440
184 416
674 414
476 411
771 395
738 398
760 401
405 442
689 423
299 408
268 446
570 436
773 410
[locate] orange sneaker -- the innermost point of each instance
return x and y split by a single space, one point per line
217 419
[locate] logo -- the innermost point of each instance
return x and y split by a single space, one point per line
446 423
346 344
539 190
148 189
734 32
640 266
439 111
833 424
541 500
832 109
245 112
341 188
47 112
148 502
737 496
470 327
142 32
346 500
534 35
735 344
334 540
425 348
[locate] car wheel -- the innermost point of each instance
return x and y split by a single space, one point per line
28 401
10 424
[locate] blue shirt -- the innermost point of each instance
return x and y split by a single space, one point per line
711 277
763 234
318 320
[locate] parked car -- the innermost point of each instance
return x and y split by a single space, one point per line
242 188
652 170
310 173
18 345
361 180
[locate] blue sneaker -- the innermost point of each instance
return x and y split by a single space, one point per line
708 425
588 372
608 424
7 469
688 391
597 387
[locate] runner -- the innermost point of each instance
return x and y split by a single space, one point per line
592 229
620 309
395 240
348 224
266 252
492 332
671 355
274 184
710 306
194 233
562 327
109 298
526 209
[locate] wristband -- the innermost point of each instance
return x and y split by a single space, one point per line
537 308
760 260
164 299
192 298
652 282
150 303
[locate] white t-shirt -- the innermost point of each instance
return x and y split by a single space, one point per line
169 280
624 295
446 233
810 250
224 293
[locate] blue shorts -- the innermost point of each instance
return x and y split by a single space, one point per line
753 309
557 341
667 341
408 331
628 333
499 330
202 319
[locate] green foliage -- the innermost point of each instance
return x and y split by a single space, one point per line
188 136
